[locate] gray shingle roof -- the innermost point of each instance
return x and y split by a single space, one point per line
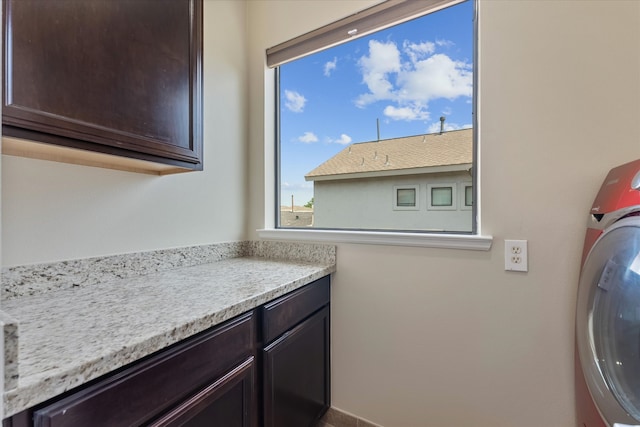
399 154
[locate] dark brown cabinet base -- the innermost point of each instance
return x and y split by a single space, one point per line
146 390
296 384
296 368
268 367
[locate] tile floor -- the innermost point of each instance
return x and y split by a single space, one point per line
337 418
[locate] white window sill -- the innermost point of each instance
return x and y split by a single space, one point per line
425 240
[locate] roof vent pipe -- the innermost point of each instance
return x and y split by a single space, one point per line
442 119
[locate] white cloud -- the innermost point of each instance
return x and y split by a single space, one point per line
436 77
383 59
411 83
308 138
409 113
417 51
330 66
445 43
344 139
435 127
294 101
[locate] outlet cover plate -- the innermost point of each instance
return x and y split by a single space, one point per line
516 255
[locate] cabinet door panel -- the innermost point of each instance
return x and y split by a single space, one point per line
228 402
110 76
296 374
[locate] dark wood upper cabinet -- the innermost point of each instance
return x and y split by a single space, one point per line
119 77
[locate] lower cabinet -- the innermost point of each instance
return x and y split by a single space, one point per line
296 370
170 381
265 368
296 380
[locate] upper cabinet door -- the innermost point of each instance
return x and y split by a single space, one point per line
120 77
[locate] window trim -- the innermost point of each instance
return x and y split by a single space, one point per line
375 18
473 240
449 240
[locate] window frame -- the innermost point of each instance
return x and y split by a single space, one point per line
454 203
463 196
472 240
398 207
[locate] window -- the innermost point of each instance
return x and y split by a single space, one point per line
441 196
468 195
375 101
406 197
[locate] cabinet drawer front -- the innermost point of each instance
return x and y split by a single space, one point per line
149 388
289 310
227 402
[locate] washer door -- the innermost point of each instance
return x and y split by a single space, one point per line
608 322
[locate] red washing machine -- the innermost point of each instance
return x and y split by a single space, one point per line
608 307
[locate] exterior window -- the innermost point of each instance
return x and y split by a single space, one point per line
385 109
468 195
406 197
441 197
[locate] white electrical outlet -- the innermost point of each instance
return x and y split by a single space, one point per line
515 255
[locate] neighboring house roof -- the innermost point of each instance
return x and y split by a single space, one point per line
437 152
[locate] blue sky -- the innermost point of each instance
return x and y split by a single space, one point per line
405 77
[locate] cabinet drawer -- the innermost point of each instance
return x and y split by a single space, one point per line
227 402
136 394
289 310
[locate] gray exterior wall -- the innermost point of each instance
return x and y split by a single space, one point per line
369 203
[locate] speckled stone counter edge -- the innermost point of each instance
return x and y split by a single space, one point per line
35 279
10 338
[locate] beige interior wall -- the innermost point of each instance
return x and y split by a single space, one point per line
54 211
432 337
420 336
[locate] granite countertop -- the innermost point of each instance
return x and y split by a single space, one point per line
71 334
